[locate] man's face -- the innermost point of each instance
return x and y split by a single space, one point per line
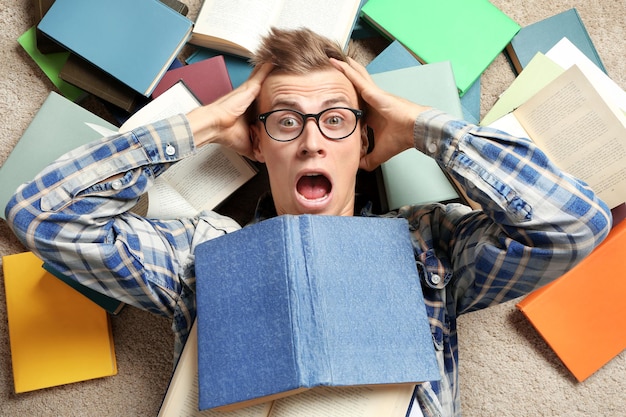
311 174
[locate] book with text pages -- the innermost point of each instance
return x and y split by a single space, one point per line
579 129
236 26
538 73
134 41
181 398
57 335
438 31
544 34
296 302
581 314
59 126
199 182
412 177
566 54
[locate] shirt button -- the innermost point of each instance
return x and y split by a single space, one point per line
170 150
116 185
432 147
436 279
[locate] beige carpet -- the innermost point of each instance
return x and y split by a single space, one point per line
506 368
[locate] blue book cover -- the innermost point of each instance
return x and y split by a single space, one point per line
134 41
541 36
295 302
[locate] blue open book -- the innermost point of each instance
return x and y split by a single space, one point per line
295 302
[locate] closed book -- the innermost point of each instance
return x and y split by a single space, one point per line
93 80
581 314
51 64
59 126
239 69
134 41
296 302
436 31
207 79
45 45
412 177
57 336
544 34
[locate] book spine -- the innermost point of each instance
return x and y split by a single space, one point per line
313 351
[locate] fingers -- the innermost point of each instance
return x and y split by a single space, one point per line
355 72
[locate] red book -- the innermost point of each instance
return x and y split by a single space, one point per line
208 79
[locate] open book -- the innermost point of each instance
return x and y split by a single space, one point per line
181 398
193 184
236 26
579 129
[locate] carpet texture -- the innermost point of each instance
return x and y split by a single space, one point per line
506 368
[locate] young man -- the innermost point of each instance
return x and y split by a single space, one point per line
303 113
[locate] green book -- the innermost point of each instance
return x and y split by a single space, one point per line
412 177
468 33
59 126
50 64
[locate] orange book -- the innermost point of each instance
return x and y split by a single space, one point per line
581 314
57 335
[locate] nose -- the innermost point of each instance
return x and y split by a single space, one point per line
311 140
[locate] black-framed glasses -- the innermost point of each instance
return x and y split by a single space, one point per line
334 123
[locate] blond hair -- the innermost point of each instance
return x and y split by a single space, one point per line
297 51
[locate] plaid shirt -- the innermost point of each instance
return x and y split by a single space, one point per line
536 223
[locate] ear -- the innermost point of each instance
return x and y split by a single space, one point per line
364 140
256 142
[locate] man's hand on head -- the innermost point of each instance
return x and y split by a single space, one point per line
390 117
224 120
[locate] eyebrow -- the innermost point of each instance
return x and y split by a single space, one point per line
291 104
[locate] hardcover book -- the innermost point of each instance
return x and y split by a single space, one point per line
544 34
57 335
59 126
207 79
438 31
297 302
584 322
412 177
134 41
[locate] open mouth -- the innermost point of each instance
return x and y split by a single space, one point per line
313 186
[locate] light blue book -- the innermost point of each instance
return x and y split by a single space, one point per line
133 41
296 302
412 177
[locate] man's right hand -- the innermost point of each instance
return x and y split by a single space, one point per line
224 121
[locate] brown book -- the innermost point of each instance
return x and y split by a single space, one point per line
93 80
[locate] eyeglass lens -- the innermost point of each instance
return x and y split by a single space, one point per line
333 123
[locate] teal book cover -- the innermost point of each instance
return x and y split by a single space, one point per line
412 177
541 36
59 126
134 41
296 302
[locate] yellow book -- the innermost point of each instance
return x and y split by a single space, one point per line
57 335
